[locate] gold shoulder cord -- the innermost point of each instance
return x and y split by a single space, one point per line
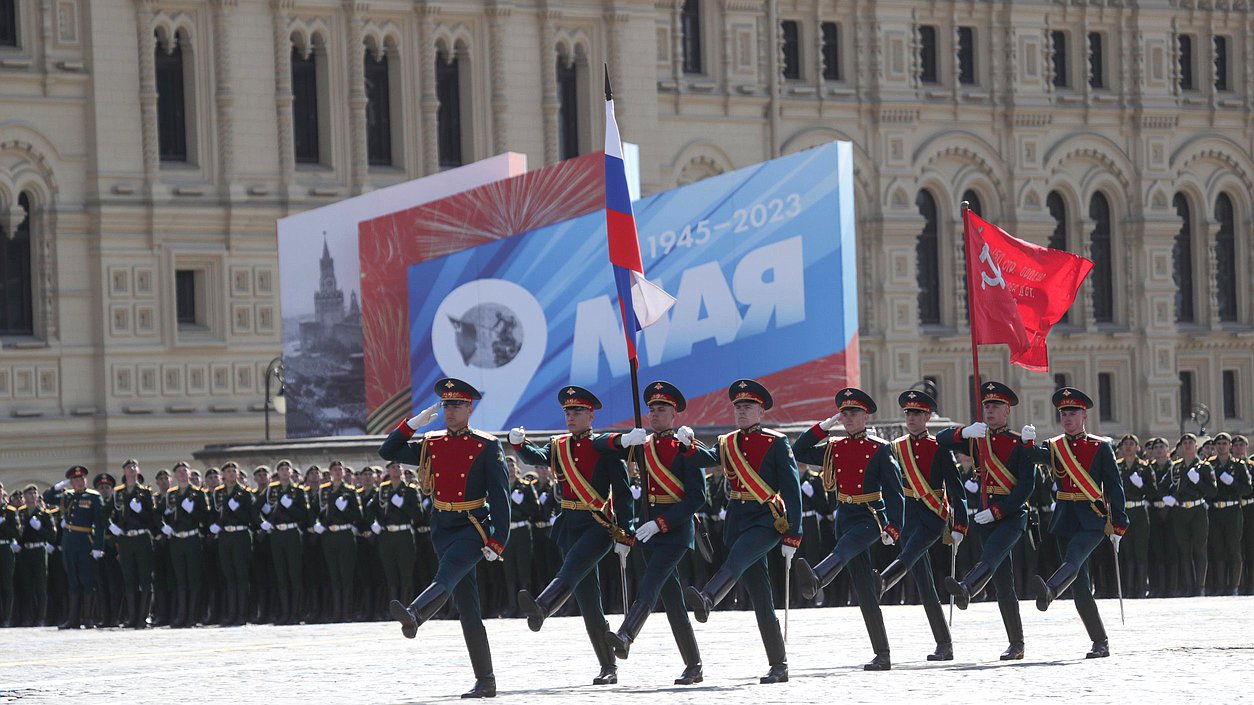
424 470
829 469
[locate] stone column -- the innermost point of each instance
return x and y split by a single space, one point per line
548 77
498 14
283 92
145 14
429 103
224 96
360 168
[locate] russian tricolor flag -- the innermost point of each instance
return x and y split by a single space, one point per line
640 301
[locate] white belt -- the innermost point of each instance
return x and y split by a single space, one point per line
519 524
1192 503
1159 504
285 527
1247 502
37 544
137 532
1226 504
185 534
393 528
233 529
1132 504
339 527
423 529
811 513
541 524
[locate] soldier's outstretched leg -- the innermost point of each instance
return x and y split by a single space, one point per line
541 607
423 608
660 570
703 601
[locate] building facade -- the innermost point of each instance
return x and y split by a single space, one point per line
148 146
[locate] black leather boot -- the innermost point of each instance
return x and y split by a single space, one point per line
1014 630
686 640
1101 649
481 662
703 601
178 619
811 580
605 657
139 617
892 575
420 610
971 586
879 639
74 602
940 632
193 609
550 600
773 640
1048 591
87 612
620 643
245 607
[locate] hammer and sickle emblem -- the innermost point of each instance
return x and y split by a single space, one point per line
996 279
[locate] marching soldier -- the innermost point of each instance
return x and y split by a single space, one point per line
82 517
283 511
1089 504
185 510
764 511
132 520
863 471
463 470
108 570
1139 490
1163 553
597 512
673 491
339 511
10 532
1241 451
396 507
1226 524
518 554
1190 483
231 512
1007 476
936 508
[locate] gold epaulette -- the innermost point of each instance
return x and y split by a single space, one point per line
482 435
324 485
385 483
274 484
876 439
359 490
120 488
91 491
52 510
772 432
435 434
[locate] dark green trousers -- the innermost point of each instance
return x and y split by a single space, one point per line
235 550
31 577
188 558
286 552
135 557
398 553
1192 529
339 548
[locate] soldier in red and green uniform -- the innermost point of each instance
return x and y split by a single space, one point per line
1089 504
1006 473
863 471
673 491
935 508
597 513
763 511
464 472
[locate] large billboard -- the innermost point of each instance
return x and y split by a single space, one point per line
761 262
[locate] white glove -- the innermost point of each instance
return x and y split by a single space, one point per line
97 553
517 496
684 435
1194 476
61 485
1169 500
36 524
722 515
215 529
517 436
1053 506
233 504
622 550
957 537
1135 479
286 501
1028 432
398 500
635 491
1114 541
634 437
971 485
647 531
984 517
374 526
807 489
829 422
15 547
788 552
187 504
167 529
544 497
318 527
979 429
490 555
115 529
266 526
1227 478
49 548
341 503
136 506
65 524
424 417
168 511
887 538
265 508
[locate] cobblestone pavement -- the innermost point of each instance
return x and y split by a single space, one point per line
1167 649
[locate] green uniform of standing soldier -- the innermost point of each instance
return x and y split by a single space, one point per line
38 529
339 510
1190 482
396 507
230 512
284 510
82 518
1232 483
10 531
184 514
1139 488
132 518
525 511
1241 449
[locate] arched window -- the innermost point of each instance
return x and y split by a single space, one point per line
568 108
1058 238
448 90
16 296
1182 260
305 128
1100 252
171 75
1226 256
690 31
378 108
927 251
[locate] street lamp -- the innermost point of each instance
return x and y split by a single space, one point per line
279 401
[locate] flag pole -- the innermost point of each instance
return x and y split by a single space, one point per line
975 349
635 365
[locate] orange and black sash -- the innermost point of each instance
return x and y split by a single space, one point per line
563 453
916 478
992 465
735 464
661 476
1065 459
